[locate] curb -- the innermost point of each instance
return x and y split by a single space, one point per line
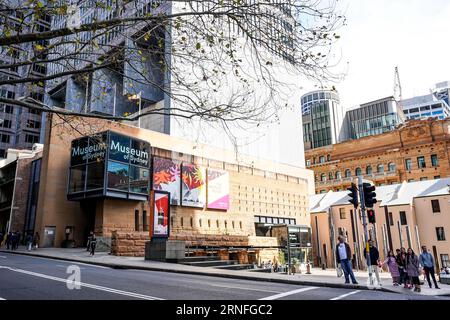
204 273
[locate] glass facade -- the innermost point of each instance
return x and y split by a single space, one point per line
321 125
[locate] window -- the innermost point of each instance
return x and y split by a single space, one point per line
423 179
118 176
380 168
358 172
369 170
348 173
445 260
321 159
434 160
391 219
95 175
31 138
7 109
145 220
435 206
342 213
308 162
77 177
391 167
338 175
323 177
33 124
136 220
403 220
410 180
440 233
6 124
408 164
437 177
138 179
421 162
2 153
6 138
330 176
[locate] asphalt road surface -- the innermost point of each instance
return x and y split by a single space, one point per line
29 278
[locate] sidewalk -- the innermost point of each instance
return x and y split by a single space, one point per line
318 278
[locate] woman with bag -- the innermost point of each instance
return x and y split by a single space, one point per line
412 268
391 262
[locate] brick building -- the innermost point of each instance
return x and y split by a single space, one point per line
407 215
19 182
416 151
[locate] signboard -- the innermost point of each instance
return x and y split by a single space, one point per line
160 214
128 150
193 185
88 149
167 177
218 189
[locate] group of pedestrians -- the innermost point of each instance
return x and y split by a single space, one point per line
405 266
13 239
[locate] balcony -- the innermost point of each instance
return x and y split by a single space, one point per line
381 175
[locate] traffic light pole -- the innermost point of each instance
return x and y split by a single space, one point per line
364 221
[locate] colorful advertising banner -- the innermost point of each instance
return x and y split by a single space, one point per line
193 185
167 177
161 214
218 189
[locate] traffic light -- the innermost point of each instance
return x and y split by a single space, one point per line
369 195
353 195
371 215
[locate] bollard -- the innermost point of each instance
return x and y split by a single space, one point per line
308 268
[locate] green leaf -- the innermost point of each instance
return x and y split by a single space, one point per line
198 46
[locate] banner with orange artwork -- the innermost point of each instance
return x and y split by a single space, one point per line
167 177
193 185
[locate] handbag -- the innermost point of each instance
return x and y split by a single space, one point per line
339 271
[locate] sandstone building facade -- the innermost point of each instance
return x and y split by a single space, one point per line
262 193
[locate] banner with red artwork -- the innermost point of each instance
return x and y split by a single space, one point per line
161 214
167 177
218 189
193 185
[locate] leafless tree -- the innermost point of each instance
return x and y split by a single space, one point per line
192 50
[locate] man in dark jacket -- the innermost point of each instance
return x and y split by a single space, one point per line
344 256
374 260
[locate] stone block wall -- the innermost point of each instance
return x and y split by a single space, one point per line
130 244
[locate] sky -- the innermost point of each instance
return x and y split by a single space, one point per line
383 34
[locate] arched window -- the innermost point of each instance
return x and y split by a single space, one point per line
323 177
358 172
380 168
391 167
330 176
338 175
329 157
348 173
369 170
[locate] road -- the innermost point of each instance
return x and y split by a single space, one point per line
28 278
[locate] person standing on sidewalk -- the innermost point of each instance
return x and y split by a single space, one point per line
93 244
374 260
391 262
343 256
29 241
426 260
36 239
88 246
9 240
412 268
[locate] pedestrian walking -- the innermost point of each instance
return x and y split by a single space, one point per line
93 244
18 238
426 260
36 239
412 268
343 257
374 260
391 262
14 241
29 241
88 246
9 240
401 262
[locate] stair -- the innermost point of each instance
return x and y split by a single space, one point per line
209 262
236 267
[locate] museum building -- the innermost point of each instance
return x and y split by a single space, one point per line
130 185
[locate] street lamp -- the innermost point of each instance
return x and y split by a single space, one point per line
136 97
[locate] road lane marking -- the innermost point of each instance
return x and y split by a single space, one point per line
3 257
87 285
65 261
2 298
345 295
243 288
284 294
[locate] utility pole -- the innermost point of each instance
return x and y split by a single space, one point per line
364 221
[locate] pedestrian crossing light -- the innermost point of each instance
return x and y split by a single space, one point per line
369 195
353 195
371 215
